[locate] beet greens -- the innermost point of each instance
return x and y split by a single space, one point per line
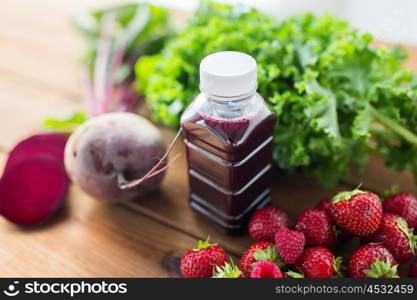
116 37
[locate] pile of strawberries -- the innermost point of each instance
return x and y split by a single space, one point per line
305 250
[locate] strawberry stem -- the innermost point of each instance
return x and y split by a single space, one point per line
204 244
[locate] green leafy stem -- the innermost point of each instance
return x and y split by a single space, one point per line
394 126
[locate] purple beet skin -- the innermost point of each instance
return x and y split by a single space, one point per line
112 149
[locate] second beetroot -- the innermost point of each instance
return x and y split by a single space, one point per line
32 190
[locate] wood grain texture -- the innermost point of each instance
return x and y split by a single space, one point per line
39 44
41 47
39 77
86 238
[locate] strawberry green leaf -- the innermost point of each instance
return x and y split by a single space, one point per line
270 254
229 270
408 232
382 269
346 195
293 274
203 244
337 266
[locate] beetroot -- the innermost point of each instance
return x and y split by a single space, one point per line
107 152
31 190
50 145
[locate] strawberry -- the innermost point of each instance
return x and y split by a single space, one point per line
317 227
319 262
228 270
358 212
290 245
265 222
200 262
372 261
404 205
324 205
265 269
257 252
413 268
396 236
341 235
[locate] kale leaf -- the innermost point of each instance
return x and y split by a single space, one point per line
336 97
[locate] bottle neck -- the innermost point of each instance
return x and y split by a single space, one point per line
226 108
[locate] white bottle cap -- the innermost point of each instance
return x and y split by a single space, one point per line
228 74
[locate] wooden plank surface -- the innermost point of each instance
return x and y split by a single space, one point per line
39 77
89 239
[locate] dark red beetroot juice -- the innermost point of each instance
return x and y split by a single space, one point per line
228 133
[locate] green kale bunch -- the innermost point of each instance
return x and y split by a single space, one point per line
336 97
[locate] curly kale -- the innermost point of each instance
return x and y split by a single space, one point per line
336 97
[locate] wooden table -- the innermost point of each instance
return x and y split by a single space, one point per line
39 77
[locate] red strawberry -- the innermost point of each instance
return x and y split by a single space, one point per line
357 212
404 205
396 236
413 268
265 222
266 269
319 262
317 227
290 245
324 205
257 252
372 261
340 234
200 262
228 270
